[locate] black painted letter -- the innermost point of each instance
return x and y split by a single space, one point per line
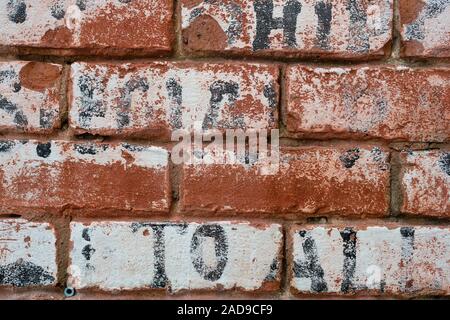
310 268
221 248
265 23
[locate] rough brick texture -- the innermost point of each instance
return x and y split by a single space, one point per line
310 181
376 260
29 96
154 99
392 103
425 28
341 28
425 183
95 27
176 256
27 253
56 175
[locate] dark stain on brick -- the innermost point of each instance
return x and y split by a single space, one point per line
20 119
57 10
85 149
86 234
17 11
44 150
310 268
81 4
88 251
407 234
11 108
21 274
349 158
272 275
221 249
11 77
444 162
7 105
90 107
349 237
46 118
132 147
6 146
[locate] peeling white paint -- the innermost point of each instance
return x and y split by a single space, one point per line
123 255
385 261
150 108
29 103
27 253
39 19
377 29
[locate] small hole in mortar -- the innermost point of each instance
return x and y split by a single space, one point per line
69 292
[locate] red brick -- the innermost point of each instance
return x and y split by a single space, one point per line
91 177
387 259
314 28
29 97
392 103
310 181
425 182
155 98
88 27
425 28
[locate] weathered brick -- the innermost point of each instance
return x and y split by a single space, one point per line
425 28
27 253
56 175
155 98
425 182
88 27
393 103
341 28
372 260
310 181
175 256
29 96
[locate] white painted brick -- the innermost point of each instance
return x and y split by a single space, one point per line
29 100
376 260
338 28
27 253
126 255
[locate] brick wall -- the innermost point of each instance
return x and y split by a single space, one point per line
91 91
